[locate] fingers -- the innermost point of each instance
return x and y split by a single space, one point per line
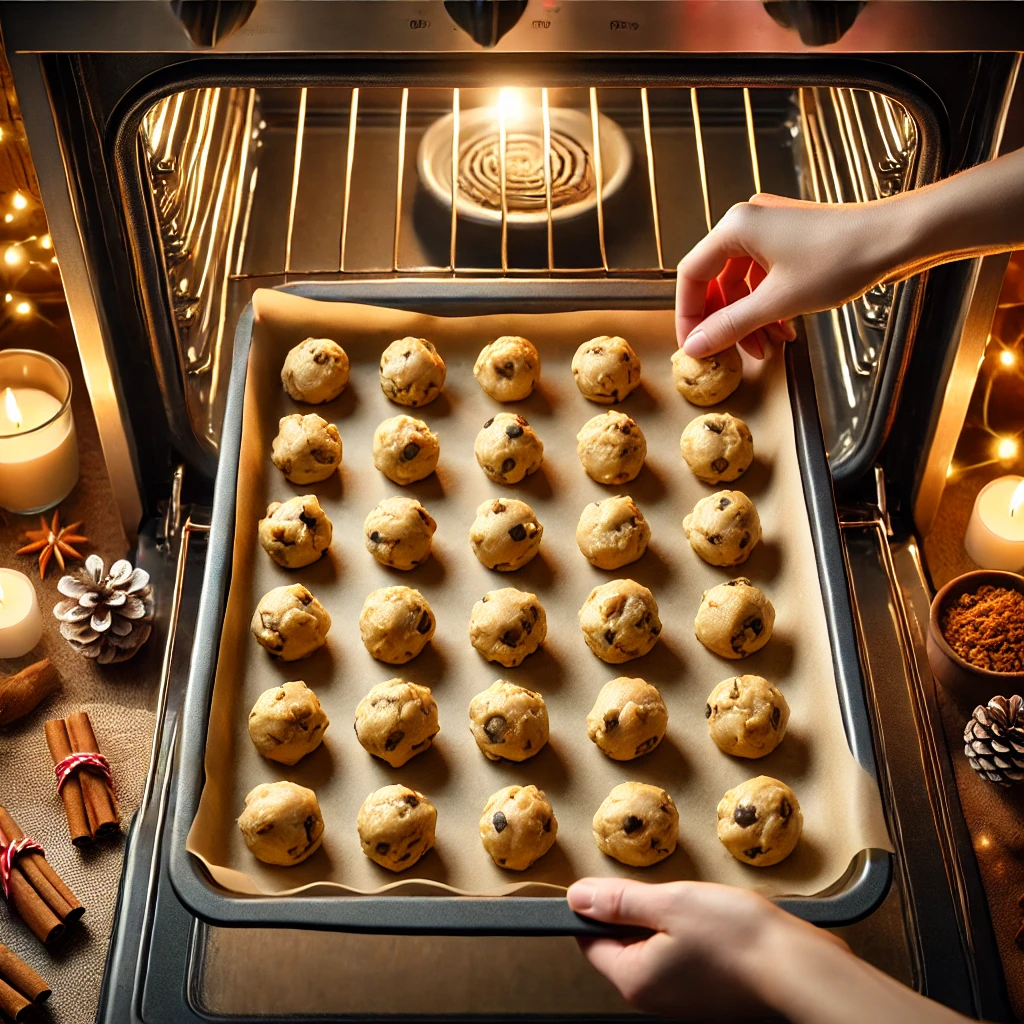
704 262
616 960
755 343
732 323
620 901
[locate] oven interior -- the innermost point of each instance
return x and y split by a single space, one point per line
252 187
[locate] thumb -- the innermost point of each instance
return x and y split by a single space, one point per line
732 323
619 901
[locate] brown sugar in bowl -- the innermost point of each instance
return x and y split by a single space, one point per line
969 684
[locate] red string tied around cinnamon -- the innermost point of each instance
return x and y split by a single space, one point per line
8 855
63 769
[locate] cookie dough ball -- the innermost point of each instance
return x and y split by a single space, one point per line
723 528
747 716
717 447
637 824
508 368
518 827
396 827
606 369
287 723
508 721
620 621
315 371
296 532
405 449
396 721
759 822
411 372
290 622
307 448
396 623
281 823
628 719
508 449
506 534
612 532
612 448
507 625
707 381
734 619
399 532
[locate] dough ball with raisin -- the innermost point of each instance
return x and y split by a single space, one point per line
412 372
637 824
396 827
281 823
405 449
507 369
290 622
508 722
287 722
747 716
620 621
612 532
606 369
723 528
508 449
612 448
396 721
709 380
296 532
507 626
506 534
307 448
315 371
717 446
628 719
518 827
734 619
760 822
396 623
399 533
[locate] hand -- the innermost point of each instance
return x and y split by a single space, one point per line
699 964
771 259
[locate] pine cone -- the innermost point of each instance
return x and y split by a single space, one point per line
994 740
106 617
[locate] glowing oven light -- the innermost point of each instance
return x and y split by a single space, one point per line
1017 499
13 414
510 103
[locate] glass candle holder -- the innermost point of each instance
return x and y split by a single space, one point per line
38 444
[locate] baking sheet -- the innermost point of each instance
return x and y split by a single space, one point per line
842 810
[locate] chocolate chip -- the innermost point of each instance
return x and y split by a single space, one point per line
625 428
647 745
527 625
499 821
394 739
383 847
309 521
609 636
511 637
611 723
724 503
720 465
375 537
306 597
734 693
496 726
506 370
404 857
744 541
308 826
785 808
707 710
514 430
756 626
745 815
507 466
412 801
715 538
488 423
715 426
776 716
754 851
423 626
410 451
547 824
528 745
632 824
518 532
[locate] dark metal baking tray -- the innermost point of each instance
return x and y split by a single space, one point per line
852 897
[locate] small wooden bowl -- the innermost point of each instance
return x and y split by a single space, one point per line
968 684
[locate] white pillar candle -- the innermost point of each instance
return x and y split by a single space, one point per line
995 533
21 624
38 445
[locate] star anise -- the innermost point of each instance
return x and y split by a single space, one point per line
53 541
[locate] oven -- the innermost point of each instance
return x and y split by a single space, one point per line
189 153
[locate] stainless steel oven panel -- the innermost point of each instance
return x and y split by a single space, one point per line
854 896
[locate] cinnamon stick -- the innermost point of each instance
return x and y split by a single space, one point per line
13 1003
37 892
100 805
16 973
20 693
59 742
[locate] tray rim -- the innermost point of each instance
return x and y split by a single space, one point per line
854 896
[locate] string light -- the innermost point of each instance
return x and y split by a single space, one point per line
46 242
1007 358
23 308
14 255
19 202
1007 449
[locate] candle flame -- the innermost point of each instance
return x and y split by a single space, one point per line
1017 499
13 414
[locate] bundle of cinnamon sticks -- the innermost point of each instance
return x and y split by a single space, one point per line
20 987
88 798
37 892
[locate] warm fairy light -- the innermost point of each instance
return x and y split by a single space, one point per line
11 408
14 255
8 297
1007 358
1007 449
19 202
46 242
23 308
1017 499
8 217
510 103
949 471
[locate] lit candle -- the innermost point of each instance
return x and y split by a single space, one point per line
38 445
21 624
995 534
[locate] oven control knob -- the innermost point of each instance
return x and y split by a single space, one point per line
817 22
485 20
209 22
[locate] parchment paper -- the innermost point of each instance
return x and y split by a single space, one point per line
841 806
